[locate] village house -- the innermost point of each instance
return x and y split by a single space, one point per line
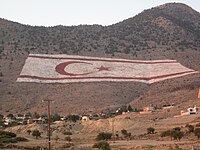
38 121
190 111
147 109
9 120
85 118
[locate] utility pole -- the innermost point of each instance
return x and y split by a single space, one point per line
49 121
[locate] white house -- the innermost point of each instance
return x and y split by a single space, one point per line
85 118
8 120
190 111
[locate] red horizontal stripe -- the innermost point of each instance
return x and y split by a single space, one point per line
108 77
106 60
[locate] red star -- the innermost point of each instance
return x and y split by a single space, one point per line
102 68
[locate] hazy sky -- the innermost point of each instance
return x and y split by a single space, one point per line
76 12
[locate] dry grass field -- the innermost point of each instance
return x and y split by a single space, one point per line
84 133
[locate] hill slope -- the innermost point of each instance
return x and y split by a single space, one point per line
170 31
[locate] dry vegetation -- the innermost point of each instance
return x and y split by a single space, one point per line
169 31
83 134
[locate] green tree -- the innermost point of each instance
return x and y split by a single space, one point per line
67 133
166 133
176 134
190 128
73 118
197 132
104 136
29 132
102 145
36 133
35 115
20 115
129 108
21 139
124 132
7 134
10 115
150 130
55 117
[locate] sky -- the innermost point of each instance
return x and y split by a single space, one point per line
76 12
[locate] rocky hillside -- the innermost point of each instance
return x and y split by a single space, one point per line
169 31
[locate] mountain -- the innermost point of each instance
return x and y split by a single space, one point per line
169 31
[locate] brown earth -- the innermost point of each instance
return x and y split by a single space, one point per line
84 133
170 31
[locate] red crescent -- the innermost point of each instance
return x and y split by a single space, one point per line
60 68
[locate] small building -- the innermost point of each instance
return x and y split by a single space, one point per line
22 117
193 110
38 121
148 108
63 118
190 111
85 118
9 120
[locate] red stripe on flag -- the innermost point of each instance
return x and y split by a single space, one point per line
108 77
107 60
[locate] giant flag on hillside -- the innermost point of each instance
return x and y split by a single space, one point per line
68 68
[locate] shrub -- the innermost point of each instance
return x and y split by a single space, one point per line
73 118
102 145
13 124
150 130
197 132
124 132
67 133
36 133
177 129
8 140
190 128
68 138
21 139
176 134
6 134
176 148
29 131
166 133
55 117
10 115
104 136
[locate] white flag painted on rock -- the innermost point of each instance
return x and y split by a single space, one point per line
68 68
